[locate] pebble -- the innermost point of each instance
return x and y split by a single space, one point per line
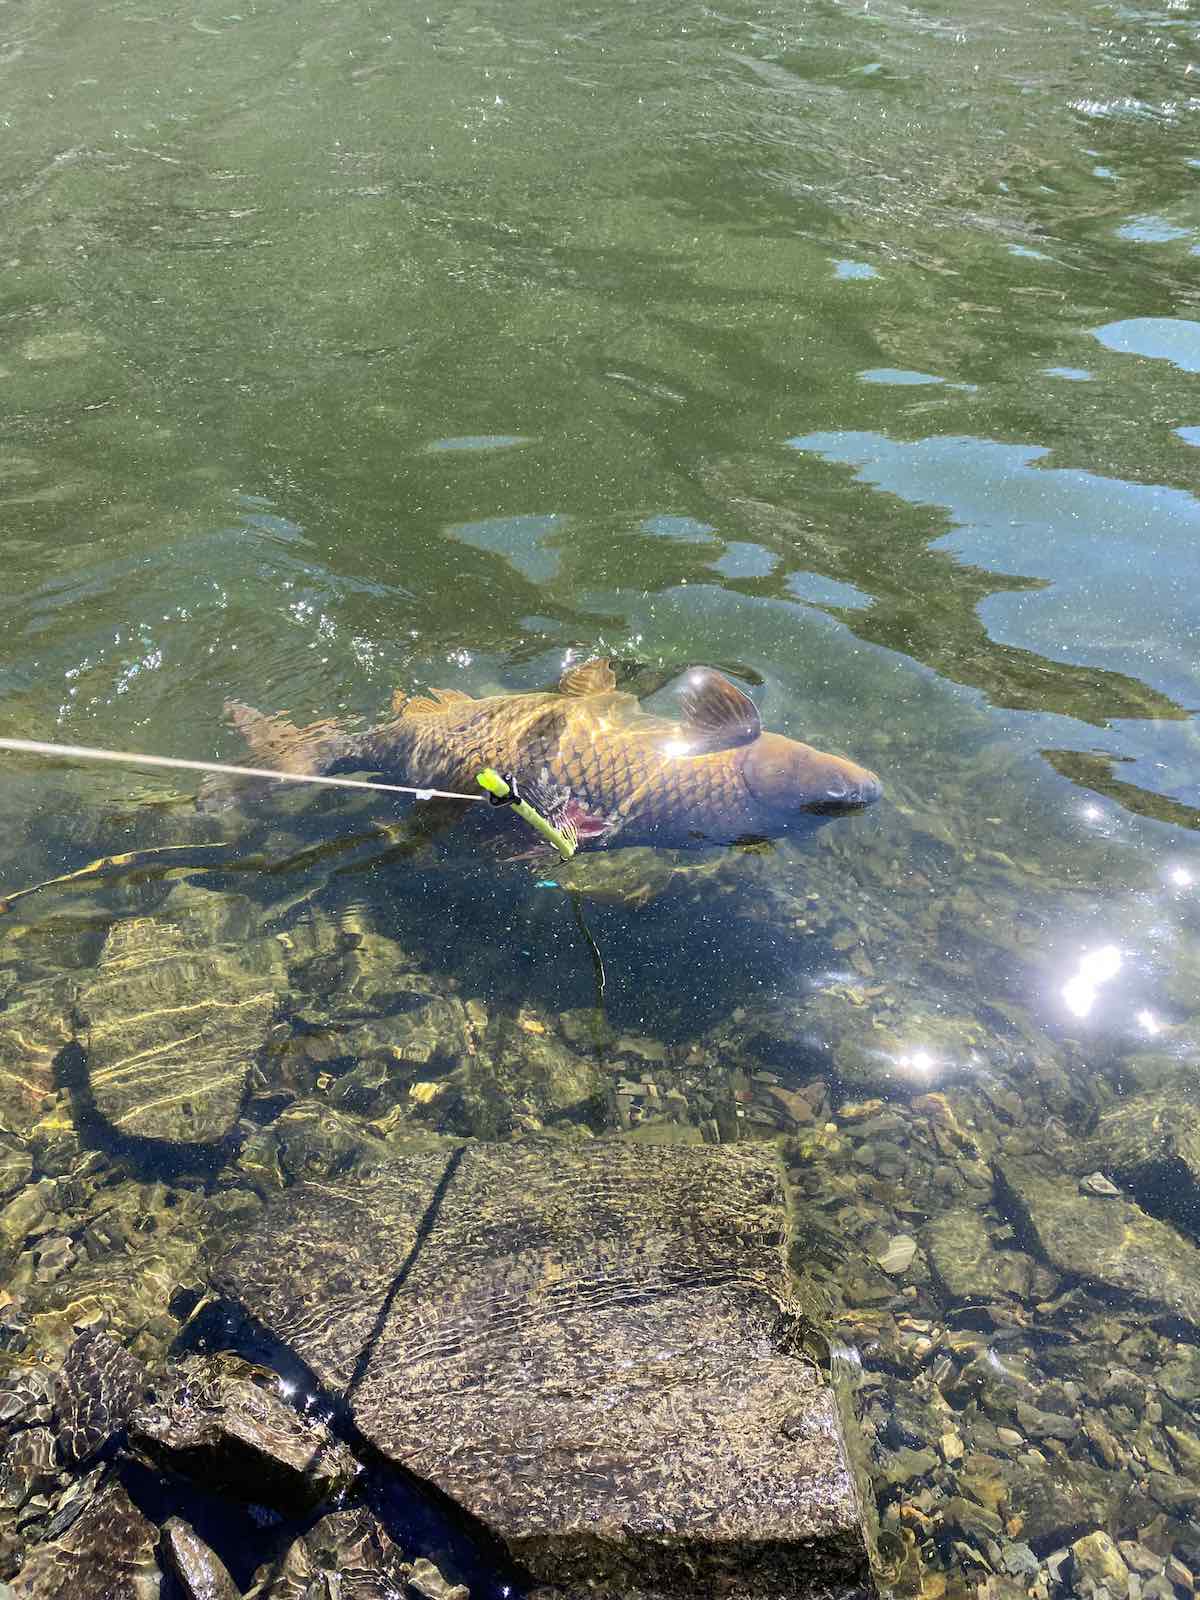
1180 1575
1098 1562
855 1112
1141 1560
952 1447
1020 1561
427 1581
1097 1183
898 1256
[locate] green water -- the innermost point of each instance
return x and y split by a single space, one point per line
850 348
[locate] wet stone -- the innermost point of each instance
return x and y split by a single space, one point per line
970 1521
898 1256
199 1571
906 1466
32 1033
223 1423
28 1213
525 1078
1152 1141
172 1028
311 1140
1139 1559
358 972
26 1398
336 1247
132 1256
1020 1561
16 1165
346 1555
1106 1241
94 1394
1180 1376
594 1349
1097 1183
967 1266
912 1421
106 1553
1056 1502
427 1581
29 1464
1037 1424
1097 1565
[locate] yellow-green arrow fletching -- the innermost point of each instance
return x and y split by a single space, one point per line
564 839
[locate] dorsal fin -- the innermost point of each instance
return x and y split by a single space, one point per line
589 677
716 714
424 704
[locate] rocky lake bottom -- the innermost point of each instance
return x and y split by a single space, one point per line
998 1270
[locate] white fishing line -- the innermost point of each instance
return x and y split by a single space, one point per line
129 758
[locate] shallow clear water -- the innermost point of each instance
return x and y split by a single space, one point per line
849 348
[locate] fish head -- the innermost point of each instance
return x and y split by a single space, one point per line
794 785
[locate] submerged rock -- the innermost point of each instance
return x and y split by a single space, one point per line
524 1077
94 1393
313 1139
1107 1241
1097 1183
172 1028
28 1466
224 1423
347 1555
16 1165
135 1249
106 1552
1152 1141
595 1350
199 1571
63 1419
967 1266
426 1580
1097 1566
898 1256
33 1031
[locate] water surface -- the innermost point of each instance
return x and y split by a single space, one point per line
851 349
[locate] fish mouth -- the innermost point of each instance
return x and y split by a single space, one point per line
843 799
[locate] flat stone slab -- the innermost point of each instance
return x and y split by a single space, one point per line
172 1031
1102 1239
594 1348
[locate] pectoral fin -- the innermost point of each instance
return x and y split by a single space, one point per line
716 714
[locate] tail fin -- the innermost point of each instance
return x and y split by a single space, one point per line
279 744
276 743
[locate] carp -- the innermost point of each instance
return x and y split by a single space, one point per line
620 775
